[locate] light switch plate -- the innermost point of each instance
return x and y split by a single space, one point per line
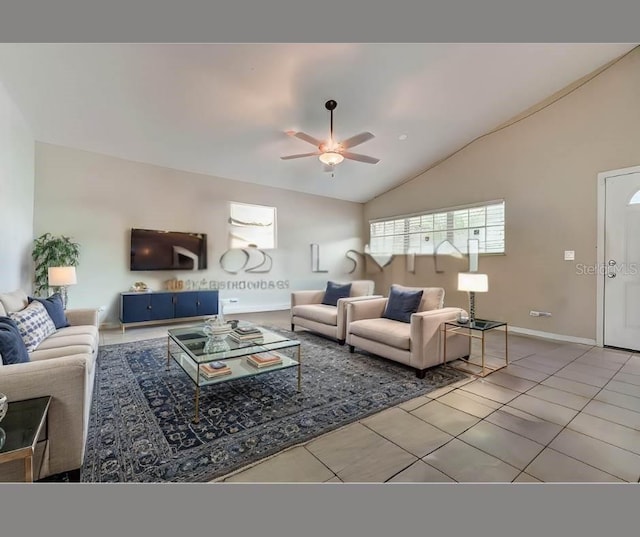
569 255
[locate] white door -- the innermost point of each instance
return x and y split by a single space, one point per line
621 271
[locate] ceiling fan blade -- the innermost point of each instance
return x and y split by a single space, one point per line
308 138
361 158
300 155
357 140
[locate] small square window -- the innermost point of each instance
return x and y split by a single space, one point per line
252 226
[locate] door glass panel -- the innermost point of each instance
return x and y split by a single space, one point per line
635 199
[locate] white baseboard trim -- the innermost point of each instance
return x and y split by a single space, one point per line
228 310
551 335
231 309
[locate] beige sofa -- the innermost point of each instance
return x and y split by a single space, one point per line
63 366
308 311
418 344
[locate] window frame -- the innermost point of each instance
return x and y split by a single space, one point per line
447 228
245 204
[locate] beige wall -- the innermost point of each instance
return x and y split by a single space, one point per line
96 199
545 167
16 197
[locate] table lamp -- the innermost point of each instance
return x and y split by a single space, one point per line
61 277
472 282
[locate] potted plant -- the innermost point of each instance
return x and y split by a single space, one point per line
52 251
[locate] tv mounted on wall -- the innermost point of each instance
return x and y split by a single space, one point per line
167 250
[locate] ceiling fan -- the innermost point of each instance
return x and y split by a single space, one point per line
331 152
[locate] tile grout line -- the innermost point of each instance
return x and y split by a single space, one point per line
548 446
537 383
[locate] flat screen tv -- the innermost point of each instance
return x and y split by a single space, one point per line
167 250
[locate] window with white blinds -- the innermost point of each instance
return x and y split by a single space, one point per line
426 233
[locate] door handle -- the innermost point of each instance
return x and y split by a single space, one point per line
611 274
611 262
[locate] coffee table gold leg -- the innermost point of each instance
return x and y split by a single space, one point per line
483 372
299 370
28 469
196 419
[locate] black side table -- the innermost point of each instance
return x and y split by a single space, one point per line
469 329
22 426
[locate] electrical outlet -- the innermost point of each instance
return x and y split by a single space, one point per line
534 313
569 255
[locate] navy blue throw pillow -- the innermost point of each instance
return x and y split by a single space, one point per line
402 303
12 347
54 308
334 292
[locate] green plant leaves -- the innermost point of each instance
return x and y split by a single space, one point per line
52 251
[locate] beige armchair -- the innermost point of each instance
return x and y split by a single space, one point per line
308 311
418 343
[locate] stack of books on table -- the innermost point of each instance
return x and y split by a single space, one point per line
248 333
214 369
264 359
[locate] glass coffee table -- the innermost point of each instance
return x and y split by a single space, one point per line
191 348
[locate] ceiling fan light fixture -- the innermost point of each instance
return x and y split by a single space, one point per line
331 158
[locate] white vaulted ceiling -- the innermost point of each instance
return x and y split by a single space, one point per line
224 109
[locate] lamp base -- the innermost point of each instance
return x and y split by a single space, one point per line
63 295
472 306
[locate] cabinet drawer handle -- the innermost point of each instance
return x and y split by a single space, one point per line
148 307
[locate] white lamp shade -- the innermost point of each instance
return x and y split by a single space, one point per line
472 281
331 158
60 276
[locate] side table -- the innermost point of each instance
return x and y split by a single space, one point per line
22 426
469 329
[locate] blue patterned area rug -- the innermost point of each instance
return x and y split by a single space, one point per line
141 426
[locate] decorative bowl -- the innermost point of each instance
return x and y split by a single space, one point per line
216 328
4 405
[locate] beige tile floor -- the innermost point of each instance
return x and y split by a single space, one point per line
561 412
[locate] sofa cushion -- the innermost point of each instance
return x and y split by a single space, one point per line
67 341
59 352
12 347
321 313
402 303
386 331
432 299
14 301
82 329
336 291
55 309
34 324
3 312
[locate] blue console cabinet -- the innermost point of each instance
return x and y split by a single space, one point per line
146 308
